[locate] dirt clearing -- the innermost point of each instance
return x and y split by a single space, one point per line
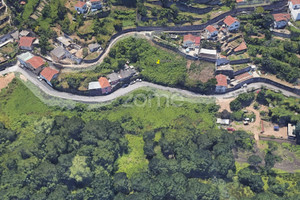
200 70
224 104
5 80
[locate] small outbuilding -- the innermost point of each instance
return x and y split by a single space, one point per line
48 74
221 83
105 85
58 53
290 131
94 47
223 121
26 43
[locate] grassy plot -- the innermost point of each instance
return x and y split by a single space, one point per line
135 161
19 106
87 28
29 8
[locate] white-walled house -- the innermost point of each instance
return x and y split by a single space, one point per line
190 41
211 31
295 14
231 23
294 6
281 20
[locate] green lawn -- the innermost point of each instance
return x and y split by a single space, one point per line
9 49
87 28
92 55
239 56
135 161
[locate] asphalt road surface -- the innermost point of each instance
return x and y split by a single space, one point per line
123 91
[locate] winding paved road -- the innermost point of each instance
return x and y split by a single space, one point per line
123 91
111 44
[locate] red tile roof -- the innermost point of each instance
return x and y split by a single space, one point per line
95 0
295 2
190 37
104 82
22 2
197 40
211 28
221 80
48 73
229 20
241 47
36 62
26 41
239 1
79 4
281 17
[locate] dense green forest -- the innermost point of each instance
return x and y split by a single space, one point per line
114 151
170 71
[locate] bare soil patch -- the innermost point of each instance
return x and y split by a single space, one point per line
269 130
5 80
224 104
200 70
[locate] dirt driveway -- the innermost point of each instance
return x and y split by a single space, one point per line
5 80
253 127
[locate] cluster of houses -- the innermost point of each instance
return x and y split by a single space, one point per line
27 41
84 6
233 47
68 49
36 64
106 84
193 43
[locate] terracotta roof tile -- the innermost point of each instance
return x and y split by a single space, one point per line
221 80
190 37
48 73
281 17
36 62
295 2
229 20
79 4
104 82
241 47
26 41
211 28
